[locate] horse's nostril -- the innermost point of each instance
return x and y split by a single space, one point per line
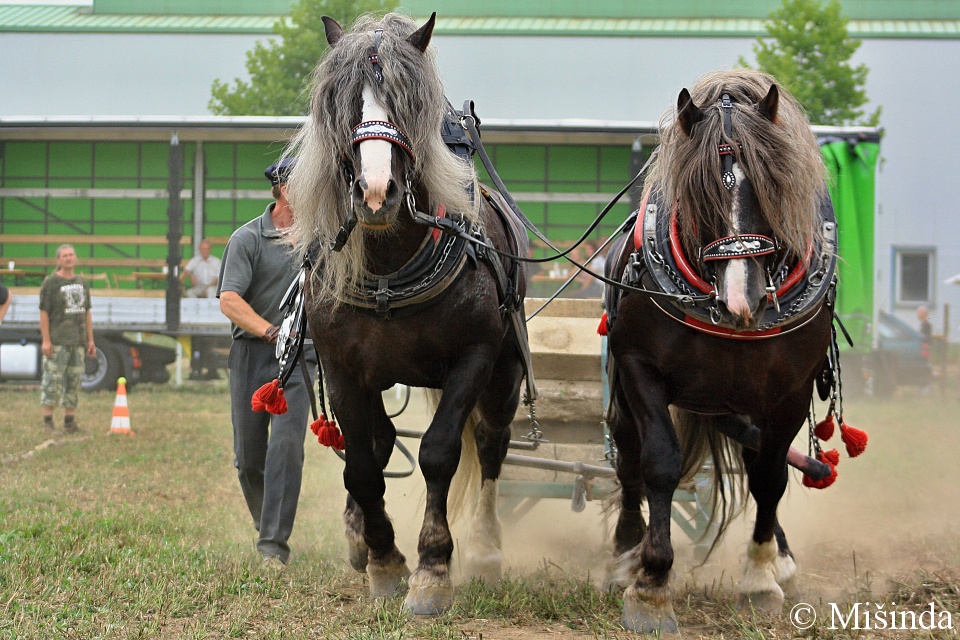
392 189
359 187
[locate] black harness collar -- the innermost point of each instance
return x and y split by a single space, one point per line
652 265
436 265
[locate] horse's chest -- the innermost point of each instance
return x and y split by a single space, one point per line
417 351
709 373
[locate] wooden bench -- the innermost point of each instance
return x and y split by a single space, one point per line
92 239
83 263
98 293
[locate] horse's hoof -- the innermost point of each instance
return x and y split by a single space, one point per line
387 581
768 602
645 617
428 594
784 569
358 554
485 566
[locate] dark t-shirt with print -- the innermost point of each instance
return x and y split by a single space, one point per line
66 301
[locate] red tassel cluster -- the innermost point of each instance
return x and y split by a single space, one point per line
270 398
603 329
327 432
855 439
830 458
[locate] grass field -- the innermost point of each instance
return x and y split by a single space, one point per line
146 536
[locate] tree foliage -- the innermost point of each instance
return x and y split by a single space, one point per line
808 50
280 69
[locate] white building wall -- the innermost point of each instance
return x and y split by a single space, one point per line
107 74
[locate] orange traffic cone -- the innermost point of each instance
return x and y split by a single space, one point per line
121 412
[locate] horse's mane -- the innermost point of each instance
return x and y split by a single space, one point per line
781 159
413 93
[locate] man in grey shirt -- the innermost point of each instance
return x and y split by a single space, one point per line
256 270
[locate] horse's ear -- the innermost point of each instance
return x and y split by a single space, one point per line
769 105
688 114
333 29
421 37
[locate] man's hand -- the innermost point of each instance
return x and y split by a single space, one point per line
270 335
91 350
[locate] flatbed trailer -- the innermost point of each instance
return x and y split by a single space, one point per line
122 326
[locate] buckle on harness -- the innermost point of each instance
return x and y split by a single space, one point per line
382 295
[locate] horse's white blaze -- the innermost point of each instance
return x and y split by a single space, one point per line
735 271
375 156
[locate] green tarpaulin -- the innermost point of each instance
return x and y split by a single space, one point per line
851 163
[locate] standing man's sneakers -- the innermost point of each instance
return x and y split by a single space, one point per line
48 424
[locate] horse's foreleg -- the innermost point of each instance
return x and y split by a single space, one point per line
767 474
431 590
647 603
362 416
631 527
784 567
357 550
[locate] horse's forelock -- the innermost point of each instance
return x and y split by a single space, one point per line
781 158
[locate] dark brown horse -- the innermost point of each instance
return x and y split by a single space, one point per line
737 226
393 300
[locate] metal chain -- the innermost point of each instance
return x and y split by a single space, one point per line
679 282
536 435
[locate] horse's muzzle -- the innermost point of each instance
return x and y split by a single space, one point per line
376 206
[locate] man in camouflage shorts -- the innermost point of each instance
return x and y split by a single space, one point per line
66 328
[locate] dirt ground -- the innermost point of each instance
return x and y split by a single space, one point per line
893 511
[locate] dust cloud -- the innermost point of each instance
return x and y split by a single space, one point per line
892 510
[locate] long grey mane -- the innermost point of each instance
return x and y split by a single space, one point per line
781 159
413 92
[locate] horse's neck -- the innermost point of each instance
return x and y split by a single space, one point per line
389 252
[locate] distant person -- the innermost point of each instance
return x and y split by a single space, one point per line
203 271
258 266
5 299
590 287
926 329
66 330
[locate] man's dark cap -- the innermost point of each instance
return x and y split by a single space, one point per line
278 172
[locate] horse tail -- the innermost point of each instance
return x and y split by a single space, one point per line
727 494
465 486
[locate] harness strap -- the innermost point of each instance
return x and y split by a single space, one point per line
375 55
729 180
508 292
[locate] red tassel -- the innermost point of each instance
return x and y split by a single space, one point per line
831 457
270 398
855 439
603 329
327 433
828 458
824 428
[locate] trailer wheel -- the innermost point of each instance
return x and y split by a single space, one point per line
101 371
